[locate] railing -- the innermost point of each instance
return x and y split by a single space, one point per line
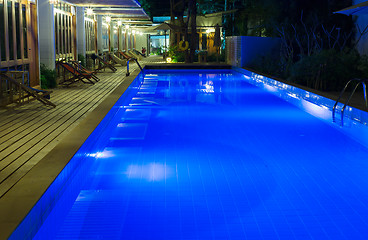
12 91
358 82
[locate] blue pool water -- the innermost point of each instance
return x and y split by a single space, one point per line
204 154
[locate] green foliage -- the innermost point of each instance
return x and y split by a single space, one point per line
146 5
48 77
214 57
207 7
328 70
267 64
158 51
179 57
176 56
82 59
363 66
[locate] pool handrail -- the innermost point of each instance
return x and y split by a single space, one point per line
359 81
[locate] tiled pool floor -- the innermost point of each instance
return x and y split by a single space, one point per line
235 163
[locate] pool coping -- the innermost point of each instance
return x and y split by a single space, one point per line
22 197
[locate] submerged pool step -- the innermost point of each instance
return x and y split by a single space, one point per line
129 131
137 114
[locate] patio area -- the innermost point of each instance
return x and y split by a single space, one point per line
29 132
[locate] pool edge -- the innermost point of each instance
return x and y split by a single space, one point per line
22 197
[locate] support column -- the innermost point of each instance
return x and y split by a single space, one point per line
126 40
112 39
81 32
46 33
99 34
120 38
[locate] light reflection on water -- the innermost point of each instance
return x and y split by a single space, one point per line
151 172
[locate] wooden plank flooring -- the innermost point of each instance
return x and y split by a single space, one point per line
29 132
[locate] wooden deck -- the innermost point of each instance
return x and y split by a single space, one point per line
29 132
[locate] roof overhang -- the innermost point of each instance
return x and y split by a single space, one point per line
116 9
123 13
105 3
358 9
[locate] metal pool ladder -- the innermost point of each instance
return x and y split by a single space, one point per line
358 82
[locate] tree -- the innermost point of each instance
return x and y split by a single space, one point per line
178 8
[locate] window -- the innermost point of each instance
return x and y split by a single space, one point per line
17 30
2 32
90 35
105 36
63 31
24 26
204 41
13 31
10 30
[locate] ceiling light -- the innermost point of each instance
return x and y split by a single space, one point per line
89 11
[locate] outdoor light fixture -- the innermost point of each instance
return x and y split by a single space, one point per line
89 11
108 19
55 2
168 59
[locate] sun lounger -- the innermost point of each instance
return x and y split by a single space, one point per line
103 64
138 53
126 56
117 60
136 56
82 69
24 92
77 75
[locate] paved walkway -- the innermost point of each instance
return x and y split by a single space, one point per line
29 132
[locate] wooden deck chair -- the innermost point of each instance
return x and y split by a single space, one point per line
116 59
20 93
103 64
82 69
125 55
110 59
129 58
139 53
136 56
77 75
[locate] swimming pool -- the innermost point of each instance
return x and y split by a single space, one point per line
205 154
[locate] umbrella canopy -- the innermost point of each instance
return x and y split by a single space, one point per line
358 9
167 26
217 39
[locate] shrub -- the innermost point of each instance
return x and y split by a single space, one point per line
327 70
82 59
176 56
213 57
268 64
48 77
